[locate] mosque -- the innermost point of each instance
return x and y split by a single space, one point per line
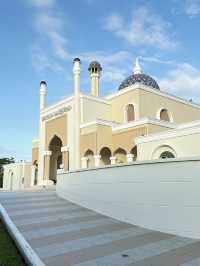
138 122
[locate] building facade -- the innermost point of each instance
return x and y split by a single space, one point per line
86 131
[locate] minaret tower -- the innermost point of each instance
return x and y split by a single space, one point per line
95 70
43 93
137 68
77 72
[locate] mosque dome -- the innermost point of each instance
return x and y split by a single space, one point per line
139 77
95 64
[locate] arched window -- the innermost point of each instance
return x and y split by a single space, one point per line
164 152
105 156
164 115
167 155
130 113
120 155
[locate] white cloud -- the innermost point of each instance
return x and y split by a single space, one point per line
192 8
183 80
51 27
41 61
42 3
143 28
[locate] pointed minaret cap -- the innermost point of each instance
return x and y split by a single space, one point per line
137 68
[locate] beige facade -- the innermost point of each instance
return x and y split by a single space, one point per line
106 130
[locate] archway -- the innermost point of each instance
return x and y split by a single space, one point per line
105 156
134 152
56 157
120 155
90 158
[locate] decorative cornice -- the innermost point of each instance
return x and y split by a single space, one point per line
179 132
57 113
56 106
96 99
99 122
145 121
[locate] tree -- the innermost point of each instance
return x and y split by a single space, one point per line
4 161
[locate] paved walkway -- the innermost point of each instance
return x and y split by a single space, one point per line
63 233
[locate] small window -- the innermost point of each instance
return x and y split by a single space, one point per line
167 155
130 113
164 115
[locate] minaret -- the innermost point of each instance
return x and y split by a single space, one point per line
77 71
43 93
137 68
95 74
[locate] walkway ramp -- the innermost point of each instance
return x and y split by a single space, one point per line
62 233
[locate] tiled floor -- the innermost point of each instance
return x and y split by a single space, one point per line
63 233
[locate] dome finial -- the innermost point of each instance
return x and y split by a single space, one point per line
137 68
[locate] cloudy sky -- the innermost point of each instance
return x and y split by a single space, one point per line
40 38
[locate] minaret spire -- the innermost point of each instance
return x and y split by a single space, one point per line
137 68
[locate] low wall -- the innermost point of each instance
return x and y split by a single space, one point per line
161 195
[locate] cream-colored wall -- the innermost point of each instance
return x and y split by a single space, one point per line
95 138
120 102
57 126
184 146
93 110
35 155
126 139
150 103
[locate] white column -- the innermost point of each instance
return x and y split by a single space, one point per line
77 71
113 160
84 162
43 93
97 160
129 157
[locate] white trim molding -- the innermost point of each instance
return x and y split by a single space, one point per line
95 99
47 153
64 149
99 122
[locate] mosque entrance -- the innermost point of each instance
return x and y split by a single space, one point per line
56 157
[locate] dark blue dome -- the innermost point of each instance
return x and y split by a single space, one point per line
139 78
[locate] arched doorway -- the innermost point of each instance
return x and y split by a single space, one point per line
120 155
90 158
105 156
35 181
56 157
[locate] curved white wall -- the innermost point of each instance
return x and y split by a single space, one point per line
163 196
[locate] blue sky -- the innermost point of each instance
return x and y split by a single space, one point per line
40 38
